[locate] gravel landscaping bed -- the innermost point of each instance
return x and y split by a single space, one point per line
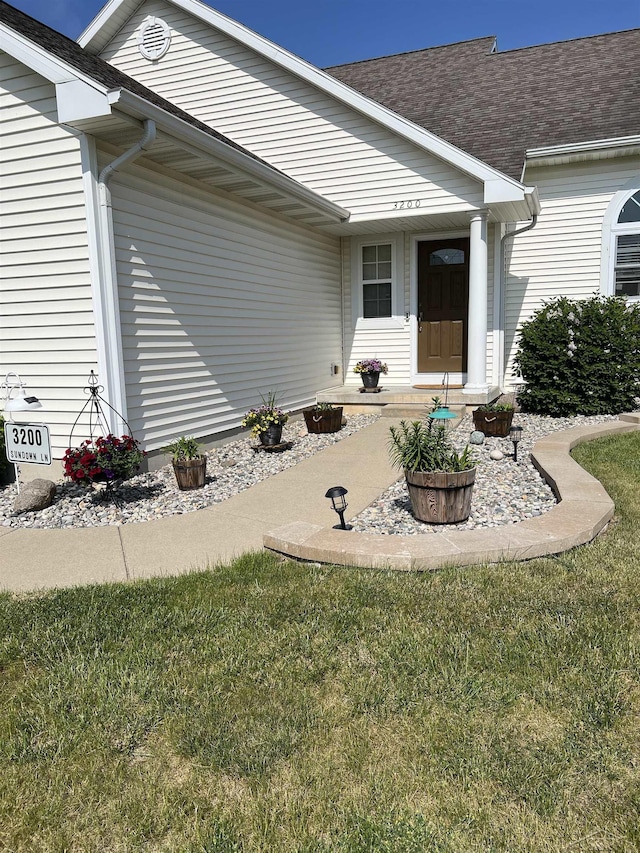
230 469
505 492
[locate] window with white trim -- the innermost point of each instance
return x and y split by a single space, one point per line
376 281
375 268
626 249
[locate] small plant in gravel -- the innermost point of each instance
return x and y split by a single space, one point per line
106 458
580 356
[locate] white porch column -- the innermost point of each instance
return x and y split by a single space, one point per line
477 324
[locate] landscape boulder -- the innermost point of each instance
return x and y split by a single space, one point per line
35 495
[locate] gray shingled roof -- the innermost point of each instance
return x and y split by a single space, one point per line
497 105
101 72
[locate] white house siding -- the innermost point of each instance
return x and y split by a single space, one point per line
561 255
304 132
220 302
393 345
46 323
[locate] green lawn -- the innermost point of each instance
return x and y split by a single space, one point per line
270 706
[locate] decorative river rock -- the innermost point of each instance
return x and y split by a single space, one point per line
477 437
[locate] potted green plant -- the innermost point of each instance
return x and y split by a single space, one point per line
370 370
266 421
323 418
493 419
189 464
439 479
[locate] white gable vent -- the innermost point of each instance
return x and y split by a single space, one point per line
154 38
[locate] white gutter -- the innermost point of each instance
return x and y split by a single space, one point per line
579 147
108 310
595 149
205 144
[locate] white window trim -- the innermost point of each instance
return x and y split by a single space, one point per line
396 321
611 230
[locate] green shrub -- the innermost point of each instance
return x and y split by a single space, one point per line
580 357
4 464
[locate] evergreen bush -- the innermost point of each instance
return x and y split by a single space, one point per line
580 357
4 464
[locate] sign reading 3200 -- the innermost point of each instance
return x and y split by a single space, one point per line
27 443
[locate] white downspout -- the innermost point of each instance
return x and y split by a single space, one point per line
114 381
507 235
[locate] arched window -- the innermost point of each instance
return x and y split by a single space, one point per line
625 249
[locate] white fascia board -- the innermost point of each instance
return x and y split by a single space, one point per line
424 139
40 60
171 125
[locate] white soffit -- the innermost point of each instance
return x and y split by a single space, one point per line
113 16
80 98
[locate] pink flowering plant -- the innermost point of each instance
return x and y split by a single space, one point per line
106 458
370 365
259 419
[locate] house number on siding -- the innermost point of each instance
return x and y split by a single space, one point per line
406 205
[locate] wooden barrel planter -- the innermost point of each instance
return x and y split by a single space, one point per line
438 497
323 421
495 424
190 473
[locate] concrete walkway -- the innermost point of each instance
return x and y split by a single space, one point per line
289 513
38 559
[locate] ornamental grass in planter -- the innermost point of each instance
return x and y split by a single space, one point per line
439 479
266 421
493 419
323 418
189 465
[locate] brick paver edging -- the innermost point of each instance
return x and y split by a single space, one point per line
583 510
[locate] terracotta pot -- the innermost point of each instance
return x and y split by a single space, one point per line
323 421
370 380
495 424
441 498
190 473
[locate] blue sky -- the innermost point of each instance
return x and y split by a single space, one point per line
329 32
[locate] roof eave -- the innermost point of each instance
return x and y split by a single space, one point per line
136 107
595 149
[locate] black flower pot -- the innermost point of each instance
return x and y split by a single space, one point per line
370 380
272 435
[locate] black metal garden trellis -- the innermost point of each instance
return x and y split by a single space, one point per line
97 419
98 425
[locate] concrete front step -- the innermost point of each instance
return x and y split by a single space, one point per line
352 395
417 411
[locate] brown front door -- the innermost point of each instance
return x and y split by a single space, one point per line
443 296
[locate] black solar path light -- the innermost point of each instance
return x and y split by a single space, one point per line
338 503
515 434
